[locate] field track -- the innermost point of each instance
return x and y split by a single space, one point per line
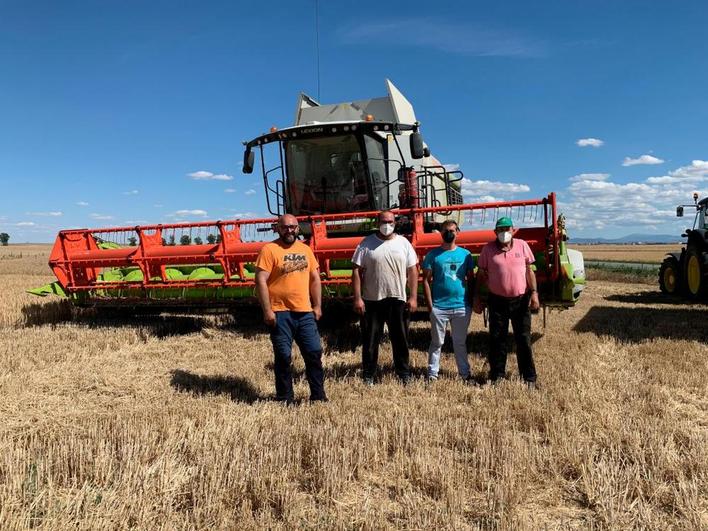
166 422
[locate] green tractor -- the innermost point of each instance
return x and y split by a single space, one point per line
686 272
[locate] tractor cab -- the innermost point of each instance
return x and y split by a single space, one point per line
700 221
361 156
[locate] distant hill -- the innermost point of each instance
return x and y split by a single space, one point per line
632 238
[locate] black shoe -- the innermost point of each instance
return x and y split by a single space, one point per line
368 381
407 379
531 386
322 399
469 380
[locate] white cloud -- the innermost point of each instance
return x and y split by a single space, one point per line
246 215
594 206
695 172
187 213
250 191
103 217
131 192
82 203
644 159
487 199
683 180
25 224
592 142
451 167
664 179
202 175
482 187
230 190
589 177
47 214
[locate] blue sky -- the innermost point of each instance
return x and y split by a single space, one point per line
108 107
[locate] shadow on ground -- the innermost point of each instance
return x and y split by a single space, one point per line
639 324
238 389
246 321
47 313
160 326
419 339
347 371
339 326
653 297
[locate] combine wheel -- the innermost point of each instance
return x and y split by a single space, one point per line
695 283
669 276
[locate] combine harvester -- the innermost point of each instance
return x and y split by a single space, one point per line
334 169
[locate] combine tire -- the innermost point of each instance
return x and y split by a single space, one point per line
669 276
696 284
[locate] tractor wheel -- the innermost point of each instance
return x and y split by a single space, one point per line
669 276
695 281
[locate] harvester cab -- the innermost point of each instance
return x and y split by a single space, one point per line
359 156
686 271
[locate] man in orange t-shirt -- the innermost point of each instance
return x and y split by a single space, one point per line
290 293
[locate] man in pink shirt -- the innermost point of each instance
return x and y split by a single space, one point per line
505 267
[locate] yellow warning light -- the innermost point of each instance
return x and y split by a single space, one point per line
273 129
369 118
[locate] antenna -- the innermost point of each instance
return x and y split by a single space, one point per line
317 44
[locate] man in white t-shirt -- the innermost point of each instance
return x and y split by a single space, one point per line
384 264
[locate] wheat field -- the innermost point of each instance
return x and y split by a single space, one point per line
648 253
166 423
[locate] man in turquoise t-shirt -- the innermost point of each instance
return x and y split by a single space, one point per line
450 268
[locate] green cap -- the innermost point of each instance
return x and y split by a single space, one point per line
503 223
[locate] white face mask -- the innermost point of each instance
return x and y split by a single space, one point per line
504 237
386 229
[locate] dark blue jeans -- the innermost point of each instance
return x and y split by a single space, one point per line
302 327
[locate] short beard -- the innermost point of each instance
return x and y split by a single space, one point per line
288 238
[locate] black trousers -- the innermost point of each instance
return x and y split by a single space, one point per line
393 313
501 311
